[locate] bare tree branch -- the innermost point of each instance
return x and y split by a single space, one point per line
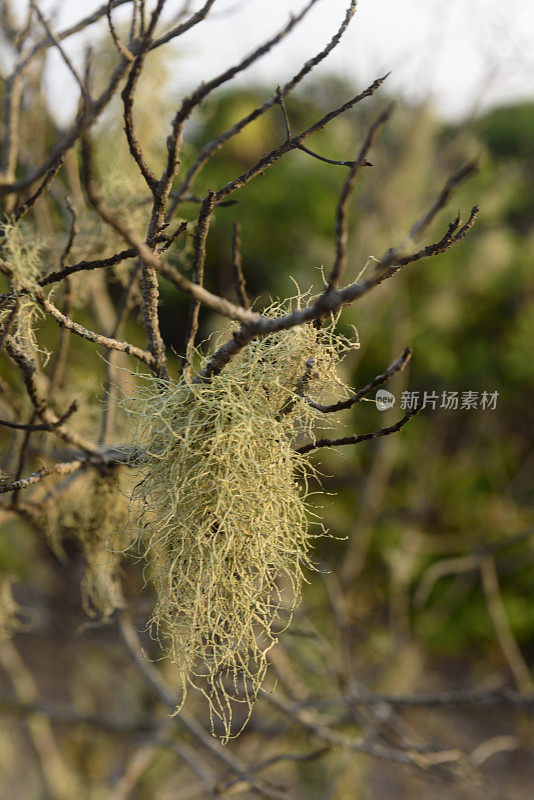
43 188
47 427
127 54
29 374
149 282
209 149
270 158
110 261
456 180
237 268
91 336
127 96
331 301
396 366
184 26
340 263
201 234
65 468
357 438
57 43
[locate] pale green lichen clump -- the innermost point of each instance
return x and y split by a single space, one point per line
22 257
93 511
221 510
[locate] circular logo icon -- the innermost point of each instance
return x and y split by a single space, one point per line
384 400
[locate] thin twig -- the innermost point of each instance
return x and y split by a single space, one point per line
57 43
149 282
127 96
199 258
91 336
102 263
276 153
77 27
329 302
332 161
289 136
396 366
153 260
61 354
127 54
64 468
240 284
179 30
357 438
46 427
209 149
340 263
393 261
193 100
73 231
43 187
282 105
442 199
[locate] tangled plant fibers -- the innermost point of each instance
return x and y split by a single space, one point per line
220 507
18 310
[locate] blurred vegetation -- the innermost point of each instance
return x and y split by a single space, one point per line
452 484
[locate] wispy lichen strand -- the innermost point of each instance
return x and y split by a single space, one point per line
21 255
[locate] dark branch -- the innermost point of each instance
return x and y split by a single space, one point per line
237 267
357 438
43 188
342 234
291 144
442 199
110 261
396 366
65 468
211 148
46 427
199 258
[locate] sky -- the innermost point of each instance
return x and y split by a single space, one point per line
462 55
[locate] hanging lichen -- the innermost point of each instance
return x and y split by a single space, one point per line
21 257
94 513
220 506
